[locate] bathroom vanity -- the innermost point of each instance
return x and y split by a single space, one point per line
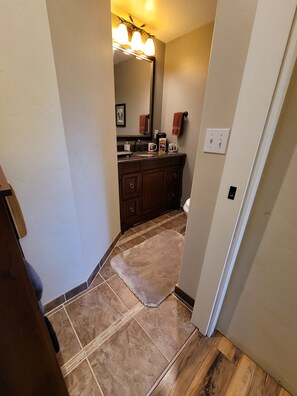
149 185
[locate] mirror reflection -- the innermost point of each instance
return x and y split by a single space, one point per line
133 77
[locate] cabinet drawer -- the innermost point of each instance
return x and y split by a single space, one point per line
131 185
129 167
131 209
173 175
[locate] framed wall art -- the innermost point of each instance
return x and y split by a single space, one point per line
120 112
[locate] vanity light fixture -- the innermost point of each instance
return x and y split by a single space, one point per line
136 42
122 34
136 46
149 47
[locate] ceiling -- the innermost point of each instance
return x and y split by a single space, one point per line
167 19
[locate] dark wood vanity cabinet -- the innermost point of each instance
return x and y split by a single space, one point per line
149 187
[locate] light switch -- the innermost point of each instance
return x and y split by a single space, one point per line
216 140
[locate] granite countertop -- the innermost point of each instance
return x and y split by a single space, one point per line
145 155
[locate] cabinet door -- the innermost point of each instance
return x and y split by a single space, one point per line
173 175
154 184
173 197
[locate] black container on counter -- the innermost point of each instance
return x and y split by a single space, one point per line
158 136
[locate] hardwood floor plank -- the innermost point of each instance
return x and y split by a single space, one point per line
198 381
226 347
283 392
263 384
172 375
216 379
258 381
271 386
183 371
242 377
215 367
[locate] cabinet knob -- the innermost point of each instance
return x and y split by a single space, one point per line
131 209
175 175
131 186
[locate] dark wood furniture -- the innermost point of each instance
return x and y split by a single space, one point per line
149 186
28 365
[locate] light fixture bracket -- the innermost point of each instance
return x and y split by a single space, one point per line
134 27
147 49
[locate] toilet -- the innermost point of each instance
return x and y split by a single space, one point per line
187 206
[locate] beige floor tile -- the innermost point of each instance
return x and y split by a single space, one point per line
128 363
143 226
155 231
94 312
127 234
132 242
159 219
175 212
181 229
96 281
116 250
81 382
123 291
177 224
106 271
169 325
68 341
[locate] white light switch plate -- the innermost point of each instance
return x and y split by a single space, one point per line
216 140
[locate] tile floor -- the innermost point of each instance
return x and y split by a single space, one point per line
110 343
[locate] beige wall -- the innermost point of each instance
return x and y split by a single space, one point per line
81 37
260 312
62 164
185 74
233 26
33 149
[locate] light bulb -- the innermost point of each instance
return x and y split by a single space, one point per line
149 47
136 42
122 34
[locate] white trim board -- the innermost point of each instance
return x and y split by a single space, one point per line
269 67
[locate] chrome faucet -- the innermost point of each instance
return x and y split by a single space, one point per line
134 147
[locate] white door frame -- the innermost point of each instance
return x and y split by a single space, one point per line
256 172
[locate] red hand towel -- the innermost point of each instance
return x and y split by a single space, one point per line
177 123
142 124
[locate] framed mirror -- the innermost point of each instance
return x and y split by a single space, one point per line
134 92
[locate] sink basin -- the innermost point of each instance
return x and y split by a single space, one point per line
124 153
145 155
